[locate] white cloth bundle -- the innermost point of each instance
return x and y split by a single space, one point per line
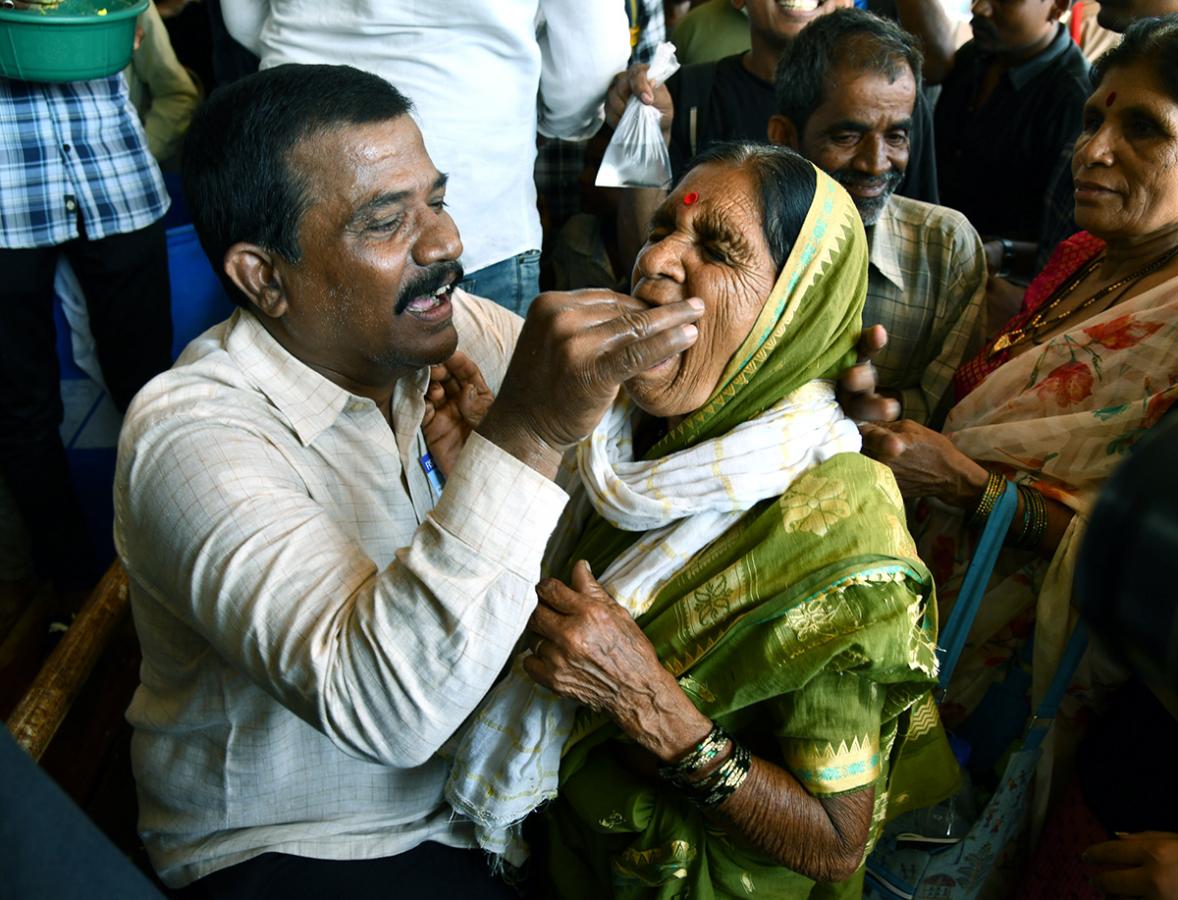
508 755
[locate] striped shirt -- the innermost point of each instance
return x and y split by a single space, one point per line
73 161
314 626
926 283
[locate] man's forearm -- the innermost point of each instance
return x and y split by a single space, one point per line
244 20
928 20
635 209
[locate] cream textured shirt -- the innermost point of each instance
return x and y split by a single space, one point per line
313 627
926 283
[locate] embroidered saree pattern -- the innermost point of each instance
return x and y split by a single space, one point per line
807 627
1059 417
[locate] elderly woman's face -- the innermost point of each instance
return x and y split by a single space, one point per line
705 241
1126 159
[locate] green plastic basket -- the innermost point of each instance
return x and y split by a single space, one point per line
70 42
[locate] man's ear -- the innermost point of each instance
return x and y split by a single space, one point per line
783 133
252 269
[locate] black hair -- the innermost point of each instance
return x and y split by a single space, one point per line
1154 41
237 178
852 38
786 182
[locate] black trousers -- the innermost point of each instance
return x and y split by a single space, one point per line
429 870
125 279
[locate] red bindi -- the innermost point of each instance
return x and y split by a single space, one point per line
1111 98
690 198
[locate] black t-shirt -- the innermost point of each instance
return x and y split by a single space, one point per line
732 104
996 162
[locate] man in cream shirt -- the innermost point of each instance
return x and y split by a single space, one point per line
315 621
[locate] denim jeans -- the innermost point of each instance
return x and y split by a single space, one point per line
513 283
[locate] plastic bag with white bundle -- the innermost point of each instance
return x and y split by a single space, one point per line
637 155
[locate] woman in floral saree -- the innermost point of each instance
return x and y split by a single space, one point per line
739 734
1063 392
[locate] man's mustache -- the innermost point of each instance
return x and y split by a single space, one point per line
428 281
888 181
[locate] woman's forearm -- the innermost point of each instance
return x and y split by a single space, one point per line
821 839
589 649
1059 517
771 811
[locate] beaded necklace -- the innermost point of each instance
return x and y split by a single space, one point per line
1042 319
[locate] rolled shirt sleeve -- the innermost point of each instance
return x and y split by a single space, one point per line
582 46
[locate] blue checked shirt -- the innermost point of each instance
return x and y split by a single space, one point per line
73 151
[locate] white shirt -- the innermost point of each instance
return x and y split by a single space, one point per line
313 627
484 76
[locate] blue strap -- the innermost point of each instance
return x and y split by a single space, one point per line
1068 663
969 599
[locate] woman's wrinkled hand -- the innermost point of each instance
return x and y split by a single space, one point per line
925 462
1137 865
590 650
455 402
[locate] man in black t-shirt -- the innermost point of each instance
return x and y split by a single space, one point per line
1009 107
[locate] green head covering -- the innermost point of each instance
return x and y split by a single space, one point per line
808 628
807 329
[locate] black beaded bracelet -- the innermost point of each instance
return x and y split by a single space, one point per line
710 792
681 773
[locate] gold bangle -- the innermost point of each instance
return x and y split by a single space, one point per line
995 485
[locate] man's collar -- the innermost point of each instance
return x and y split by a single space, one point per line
881 241
308 400
1022 75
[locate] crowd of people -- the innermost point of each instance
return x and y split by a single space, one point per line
520 537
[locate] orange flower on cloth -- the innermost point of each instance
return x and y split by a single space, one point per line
1069 383
1158 405
1122 332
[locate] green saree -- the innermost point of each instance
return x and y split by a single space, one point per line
807 629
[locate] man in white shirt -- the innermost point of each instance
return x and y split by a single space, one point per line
315 621
485 77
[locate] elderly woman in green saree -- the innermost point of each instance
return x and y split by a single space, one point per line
760 640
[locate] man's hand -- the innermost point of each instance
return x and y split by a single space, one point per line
575 351
925 462
455 403
1137 865
858 393
592 651
634 83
